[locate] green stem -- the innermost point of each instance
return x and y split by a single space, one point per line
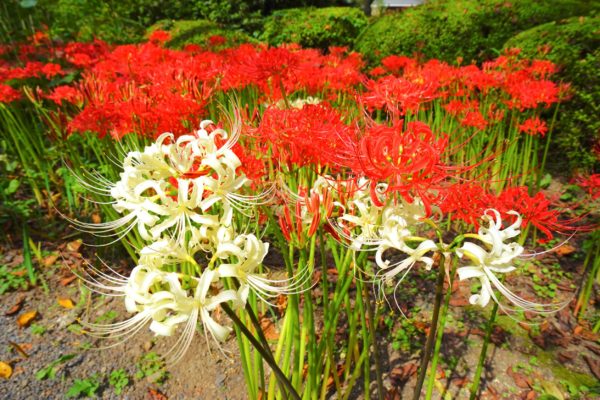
486 341
439 291
440 335
373 333
278 372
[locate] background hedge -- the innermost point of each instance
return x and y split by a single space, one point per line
574 45
199 32
472 29
314 27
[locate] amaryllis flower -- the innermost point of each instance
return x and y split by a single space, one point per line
158 298
493 257
171 185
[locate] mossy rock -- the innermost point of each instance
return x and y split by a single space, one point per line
471 29
314 27
574 45
200 32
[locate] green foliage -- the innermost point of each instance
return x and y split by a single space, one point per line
200 32
84 387
118 379
314 27
86 19
574 45
10 281
153 367
38 330
471 29
49 371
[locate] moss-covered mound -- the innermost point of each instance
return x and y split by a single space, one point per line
314 27
471 29
201 32
574 45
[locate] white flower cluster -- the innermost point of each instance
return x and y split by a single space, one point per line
180 195
389 230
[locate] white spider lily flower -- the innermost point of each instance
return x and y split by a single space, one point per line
390 270
496 257
158 297
485 264
248 253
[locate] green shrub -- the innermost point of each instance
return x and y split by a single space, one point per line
85 20
314 27
200 32
574 45
471 29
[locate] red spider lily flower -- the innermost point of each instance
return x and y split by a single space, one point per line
409 160
159 37
64 93
314 134
591 184
216 40
395 64
530 93
8 94
474 119
398 95
536 210
533 126
465 202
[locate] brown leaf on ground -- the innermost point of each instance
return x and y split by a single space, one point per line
16 307
25 319
74 245
281 303
67 280
96 218
19 349
594 365
531 395
564 250
5 370
66 303
404 372
566 356
392 394
156 395
593 348
520 379
50 260
460 382
459 301
268 328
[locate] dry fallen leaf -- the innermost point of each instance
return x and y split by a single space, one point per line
74 245
50 260
5 370
268 328
96 218
156 395
565 250
25 319
19 349
67 280
66 303
16 307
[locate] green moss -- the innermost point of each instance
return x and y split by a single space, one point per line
199 32
314 27
574 45
471 29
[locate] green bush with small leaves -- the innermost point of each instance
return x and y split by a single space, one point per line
314 27
471 29
200 32
574 45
